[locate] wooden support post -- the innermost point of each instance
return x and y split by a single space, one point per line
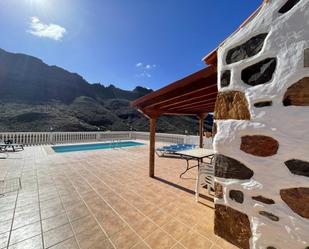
201 118
153 125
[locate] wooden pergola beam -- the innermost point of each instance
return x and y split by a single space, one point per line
195 104
187 113
197 109
197 86
189 98
184 96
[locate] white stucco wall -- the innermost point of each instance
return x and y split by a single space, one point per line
288 36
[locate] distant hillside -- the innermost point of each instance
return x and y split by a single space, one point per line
35 96
22 77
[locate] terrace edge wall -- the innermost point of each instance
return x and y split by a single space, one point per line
262 139
46 138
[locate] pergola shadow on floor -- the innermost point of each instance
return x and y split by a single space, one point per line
185 189
194 95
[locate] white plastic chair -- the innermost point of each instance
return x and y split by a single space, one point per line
205 177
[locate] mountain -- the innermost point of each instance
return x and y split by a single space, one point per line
36 96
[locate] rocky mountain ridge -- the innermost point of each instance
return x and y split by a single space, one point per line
36 96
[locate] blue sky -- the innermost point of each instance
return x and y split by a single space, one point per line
122 42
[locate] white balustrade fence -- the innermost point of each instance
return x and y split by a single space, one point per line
160 137
41 138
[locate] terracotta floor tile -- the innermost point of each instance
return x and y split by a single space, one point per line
66 191
131 215
144 227
121 206
89 193
77 212
51 212
160 240
112 224
84 224
194 240
54 222
57 235
144 206
97 206
125 238
172 209
92 237
115 201
176 229
188 217
216 247
103 190
105 244
25 232
224 244
34 242
141 245
133 197
105 214
49 196
67 244
159 217
178 246
51 203
206 229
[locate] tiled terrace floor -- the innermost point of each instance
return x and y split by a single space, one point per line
102 199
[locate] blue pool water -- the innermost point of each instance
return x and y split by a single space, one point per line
98 146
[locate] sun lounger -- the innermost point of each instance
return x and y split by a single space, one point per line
8 145
173 149
3 153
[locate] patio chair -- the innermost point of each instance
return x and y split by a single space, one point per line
172 149
205 178
3 151
8 144
14 147
9 141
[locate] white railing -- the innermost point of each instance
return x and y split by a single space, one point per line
41 138
160 137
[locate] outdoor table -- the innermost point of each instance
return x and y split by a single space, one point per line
195 154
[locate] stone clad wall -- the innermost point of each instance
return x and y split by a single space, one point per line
262 140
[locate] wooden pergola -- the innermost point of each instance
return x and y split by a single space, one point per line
193 95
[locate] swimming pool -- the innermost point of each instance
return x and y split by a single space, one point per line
96 146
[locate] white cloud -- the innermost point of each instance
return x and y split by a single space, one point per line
144 74
150 66
40 29
144 70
